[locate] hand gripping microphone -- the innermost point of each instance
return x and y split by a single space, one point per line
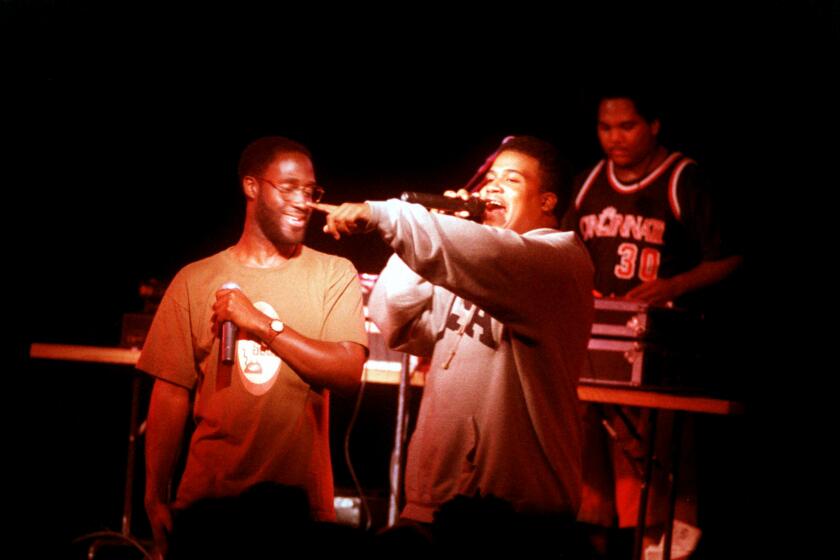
229 331
473 205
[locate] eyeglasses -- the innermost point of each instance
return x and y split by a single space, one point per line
311 193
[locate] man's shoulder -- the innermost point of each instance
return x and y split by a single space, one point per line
584 174
203 272
551 235
679 164
313 257
203 266
566 242
688 169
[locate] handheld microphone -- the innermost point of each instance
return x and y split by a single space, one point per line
229 332
473 205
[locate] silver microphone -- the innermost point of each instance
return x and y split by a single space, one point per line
229 332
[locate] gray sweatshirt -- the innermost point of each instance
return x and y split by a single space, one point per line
505 319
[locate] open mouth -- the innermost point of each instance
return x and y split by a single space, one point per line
494 210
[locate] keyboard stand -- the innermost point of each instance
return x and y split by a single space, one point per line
119 356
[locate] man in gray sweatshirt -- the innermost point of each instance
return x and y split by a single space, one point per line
503 311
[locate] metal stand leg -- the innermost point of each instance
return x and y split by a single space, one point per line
676 449
102 539
639 538
396 477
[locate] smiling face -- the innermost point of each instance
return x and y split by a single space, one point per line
512 191
283 220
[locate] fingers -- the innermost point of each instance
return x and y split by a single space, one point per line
637 293
331 229
460 193
166 521
336 222
350 218
449 194
335 225
327 208
231 305
655 291
161 543
161 525
463 194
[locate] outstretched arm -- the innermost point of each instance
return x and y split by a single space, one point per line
497 269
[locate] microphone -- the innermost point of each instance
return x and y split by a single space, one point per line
473 205
229 331
476 179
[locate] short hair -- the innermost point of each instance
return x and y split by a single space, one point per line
260 153
646 102
555 172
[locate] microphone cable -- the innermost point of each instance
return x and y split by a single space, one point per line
475 180
347 459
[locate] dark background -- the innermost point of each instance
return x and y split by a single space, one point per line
122 128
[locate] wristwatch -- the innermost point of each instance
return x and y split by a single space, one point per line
276 327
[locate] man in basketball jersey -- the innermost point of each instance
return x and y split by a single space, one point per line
643 214
654 236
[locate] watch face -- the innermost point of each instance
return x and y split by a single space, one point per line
277 325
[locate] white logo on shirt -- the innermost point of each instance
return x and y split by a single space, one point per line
258 365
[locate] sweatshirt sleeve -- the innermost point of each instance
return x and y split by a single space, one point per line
401 305
519 279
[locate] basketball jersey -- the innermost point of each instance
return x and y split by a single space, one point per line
655 228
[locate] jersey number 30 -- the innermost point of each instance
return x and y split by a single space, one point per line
648 262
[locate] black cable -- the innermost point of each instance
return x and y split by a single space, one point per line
347 460
102 535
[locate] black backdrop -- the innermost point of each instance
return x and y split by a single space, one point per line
122 128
